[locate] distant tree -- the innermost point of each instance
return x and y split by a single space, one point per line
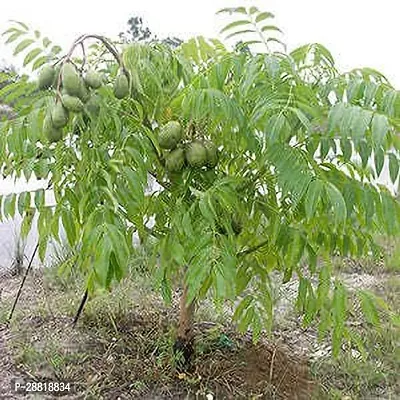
8 75
138 32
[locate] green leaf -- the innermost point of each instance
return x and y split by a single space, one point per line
380 128
31 56
253 10
69 226
365 152
324 323
14 36
241 32
337 201
9 205
263 16
46 42
39 62
55 50
119 245
21 24
234 25
102 261
346 148
270 28
242 307
232 10
302 295
24 200
393 167
23 45
39 198
339 310
312 197
325 147
323 285
379 160
11 30
302 118
27 224
335 116
369 308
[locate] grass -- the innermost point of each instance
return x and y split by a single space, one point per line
123 344
372 373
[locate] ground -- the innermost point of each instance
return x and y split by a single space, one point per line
121 346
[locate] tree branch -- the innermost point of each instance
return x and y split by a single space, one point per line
252 249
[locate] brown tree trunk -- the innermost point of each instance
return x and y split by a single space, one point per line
183 347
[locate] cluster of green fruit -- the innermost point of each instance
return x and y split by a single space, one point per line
194 153
75 96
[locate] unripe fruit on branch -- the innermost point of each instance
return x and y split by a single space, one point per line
196 155
93 106
93 79
72 103
175 160
71 80
84 93
121 86
59 116
212 154
170 135
46 77
52 133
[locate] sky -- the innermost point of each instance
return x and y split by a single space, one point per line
358 33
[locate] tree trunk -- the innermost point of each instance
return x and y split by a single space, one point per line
183 347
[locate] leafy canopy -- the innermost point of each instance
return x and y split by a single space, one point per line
301 145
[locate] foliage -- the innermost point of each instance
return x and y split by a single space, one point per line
301 145
138 32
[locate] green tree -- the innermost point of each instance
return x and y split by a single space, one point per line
138 32
292 184
8 75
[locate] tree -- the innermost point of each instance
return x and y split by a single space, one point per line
137 32
8 75
299 146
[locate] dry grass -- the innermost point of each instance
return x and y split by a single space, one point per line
122 345
122 348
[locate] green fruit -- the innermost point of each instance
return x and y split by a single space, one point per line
72 103
93 79
121 86
59 116
52 133
196 155
46 77
93 106
71 80
170 135
175 160
212 154
84 93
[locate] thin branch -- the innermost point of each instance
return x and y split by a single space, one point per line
23 282
252 249
79 42
80 309
84 56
